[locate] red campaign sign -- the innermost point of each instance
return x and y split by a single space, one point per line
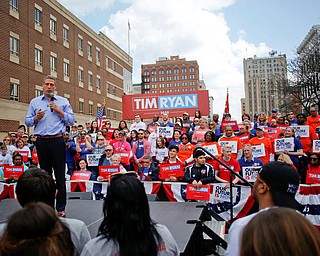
273 133
12 172
244 138
282 126
172 103
35 157
24 154
202 193
232 123
313 177
170 170
106 171
109 133
81 175
124 156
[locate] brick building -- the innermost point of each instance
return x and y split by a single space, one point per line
41 37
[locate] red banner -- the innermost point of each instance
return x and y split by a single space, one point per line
172 103
170 170
106 171
24 154
202 193
124 156
81 175
14 172
232 123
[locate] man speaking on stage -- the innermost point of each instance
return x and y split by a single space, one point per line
49 115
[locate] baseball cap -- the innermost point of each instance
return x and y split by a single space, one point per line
157 123
185 113
256 115
274 110
259 128
283 181
178 123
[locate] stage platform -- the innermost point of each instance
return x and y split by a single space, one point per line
173 215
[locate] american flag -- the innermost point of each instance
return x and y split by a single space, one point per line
101 117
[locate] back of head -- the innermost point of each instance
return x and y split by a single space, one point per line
36 230
35 185
290 234
283 181
127 218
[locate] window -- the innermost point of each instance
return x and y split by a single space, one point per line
14 5
81 107
53 26
114 115
89 50
37 16
65 34
80 75
53 63
108 113
108 87
38 57
66 69
191 69
90 82
80 43
38 92
114 90
98 83
90 109
14 91
98 55
191 76
14 46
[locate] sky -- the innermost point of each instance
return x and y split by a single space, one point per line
219 34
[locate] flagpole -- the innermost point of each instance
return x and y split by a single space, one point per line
129 28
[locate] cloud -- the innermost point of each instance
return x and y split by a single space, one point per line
195 30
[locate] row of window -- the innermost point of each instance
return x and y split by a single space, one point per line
154 86
168 78
168 71
170 90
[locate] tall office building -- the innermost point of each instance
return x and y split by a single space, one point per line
170 75
41 37
264 80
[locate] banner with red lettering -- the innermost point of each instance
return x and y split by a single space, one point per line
170 170
202 193
171 103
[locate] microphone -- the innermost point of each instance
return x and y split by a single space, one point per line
52 97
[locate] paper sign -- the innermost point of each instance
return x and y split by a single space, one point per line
94 137
13 172
232 143
258 150
244 138
223 194
81 175
316 146
124 156
212 149
93 159
107 171
301 131
250 173
198 134
313 177
166 131
273 133
170 170
232 123
283 144
35 157
202 193
24 154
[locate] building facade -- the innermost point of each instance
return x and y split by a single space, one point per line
264 82
170 75
41 37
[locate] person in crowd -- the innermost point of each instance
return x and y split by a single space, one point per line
70 153
173 159
175 138
217 132
146 171
280 231
133 137
276 185
88 126
146 134
114 137
20 147
197 114
198 135
228 136
50 114
262 121
84 145
306 141
155 118
5 157
274 115
74 131
255 118
212 146
25 139
17 160
82 165
140 148
123 126
286 159
186 122
129 232
160 153
21 131
244 134
13 138
80 129
178 126
263 143
166 122
194 125
122 146
109 130
115 160
94 127
36 230
199 173
222 174
153 138
105 159
248 159
245 117
314 119
291 117
138 124
104 132
212 125
36 185
313 172
7 141
185 149
32 142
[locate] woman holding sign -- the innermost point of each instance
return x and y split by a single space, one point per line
313 172
212 146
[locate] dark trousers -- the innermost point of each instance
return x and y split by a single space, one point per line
52 155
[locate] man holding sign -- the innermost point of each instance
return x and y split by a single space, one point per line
263 146
199 173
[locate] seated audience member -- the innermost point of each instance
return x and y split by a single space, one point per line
36 185
185 149
281 232
122 146
286 159
5 157
212 146
82 165
115 161
173 159
160 153
313 172
127 228
146 171
36 230
105 159
199 173
248 160
175 138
